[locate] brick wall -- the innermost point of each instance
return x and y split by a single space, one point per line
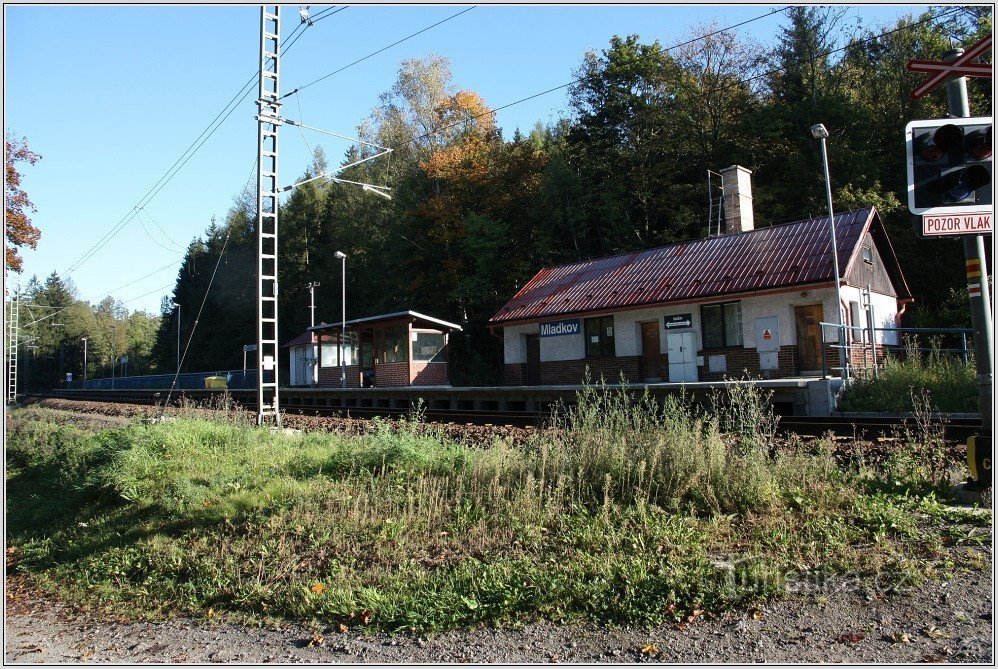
515 374
573 371
329 377
429 373
391 374
740 359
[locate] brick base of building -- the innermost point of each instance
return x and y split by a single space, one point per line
515 374
741 361
429 373
329 377
574 371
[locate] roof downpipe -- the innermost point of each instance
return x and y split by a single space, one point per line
737 184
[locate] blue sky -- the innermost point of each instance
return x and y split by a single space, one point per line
111 96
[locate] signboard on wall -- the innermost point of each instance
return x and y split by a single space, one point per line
678 321
570 326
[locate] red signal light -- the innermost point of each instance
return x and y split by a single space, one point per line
935 145
979 143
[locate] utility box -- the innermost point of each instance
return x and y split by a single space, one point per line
215 382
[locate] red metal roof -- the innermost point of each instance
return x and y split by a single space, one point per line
767 258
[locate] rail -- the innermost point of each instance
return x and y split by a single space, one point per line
864 350
236 379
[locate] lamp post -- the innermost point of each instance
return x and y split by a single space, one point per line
174 304
343 317
84 340
312 285
820 132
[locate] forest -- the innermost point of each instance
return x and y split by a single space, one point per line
475 213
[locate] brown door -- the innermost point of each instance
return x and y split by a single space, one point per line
651 350
809 336
533 360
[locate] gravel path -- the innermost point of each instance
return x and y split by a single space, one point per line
938 622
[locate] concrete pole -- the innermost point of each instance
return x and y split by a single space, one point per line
980 296
843 359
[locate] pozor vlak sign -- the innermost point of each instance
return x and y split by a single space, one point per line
958 224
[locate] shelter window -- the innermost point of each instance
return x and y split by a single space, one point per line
393 345
428 347
599 337
722 324
327 355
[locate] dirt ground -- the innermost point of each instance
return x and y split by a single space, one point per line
942 621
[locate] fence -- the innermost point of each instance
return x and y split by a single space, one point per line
236 379
864 352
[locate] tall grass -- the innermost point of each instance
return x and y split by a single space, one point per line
949 383
618 514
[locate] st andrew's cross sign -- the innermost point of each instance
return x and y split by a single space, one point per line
960 67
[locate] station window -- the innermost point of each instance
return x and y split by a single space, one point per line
599 337
393 345
867 254
428 347
327 356
857 322
722 324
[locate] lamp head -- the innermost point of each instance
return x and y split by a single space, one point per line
174 304
377 191
340 255
819 131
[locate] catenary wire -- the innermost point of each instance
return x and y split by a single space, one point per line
197 319
374 53
556 88
175 168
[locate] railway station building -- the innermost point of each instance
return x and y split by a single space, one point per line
746 300
404 348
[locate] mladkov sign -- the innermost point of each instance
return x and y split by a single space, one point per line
978 223
560 328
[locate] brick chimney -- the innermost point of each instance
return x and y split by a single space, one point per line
737 184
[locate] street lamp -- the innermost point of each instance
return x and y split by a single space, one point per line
312 285
343 317
174 304
820 132
84 340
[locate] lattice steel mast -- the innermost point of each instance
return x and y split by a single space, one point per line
267 365
12 333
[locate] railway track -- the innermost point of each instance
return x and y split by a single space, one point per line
866 427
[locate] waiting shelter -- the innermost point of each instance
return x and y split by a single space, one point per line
404 348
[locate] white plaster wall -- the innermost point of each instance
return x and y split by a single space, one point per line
781 305
627 326
566 347
885 309
514 349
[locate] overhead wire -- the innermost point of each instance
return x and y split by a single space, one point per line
185 157
740 81
374 53
197 319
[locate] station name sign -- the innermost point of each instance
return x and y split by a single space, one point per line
560 328
971 223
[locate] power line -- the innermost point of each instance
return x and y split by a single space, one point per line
577 79
740 81
375 53
184 158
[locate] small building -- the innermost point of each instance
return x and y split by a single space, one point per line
404 348
703 310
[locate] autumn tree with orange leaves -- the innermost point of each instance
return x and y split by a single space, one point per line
17 226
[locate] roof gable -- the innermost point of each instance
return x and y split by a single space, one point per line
767 258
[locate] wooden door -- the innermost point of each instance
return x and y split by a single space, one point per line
651 350
533 360
808 318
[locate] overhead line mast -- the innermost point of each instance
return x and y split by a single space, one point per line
269 121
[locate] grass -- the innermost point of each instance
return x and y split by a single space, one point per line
630 513
949 384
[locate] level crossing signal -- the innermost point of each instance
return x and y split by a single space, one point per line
950 166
